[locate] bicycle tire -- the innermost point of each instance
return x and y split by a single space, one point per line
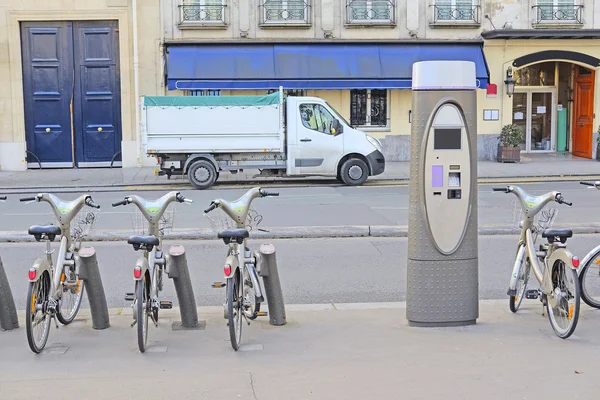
514 302
585 296
66 320
573 313
233 310
34 289
141 314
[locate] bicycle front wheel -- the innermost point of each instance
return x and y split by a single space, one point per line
563 303
514 302
234 310
37 321
141 309
70 301
589 279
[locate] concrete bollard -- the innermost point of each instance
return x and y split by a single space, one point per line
177 269
267 262
87 265
8 311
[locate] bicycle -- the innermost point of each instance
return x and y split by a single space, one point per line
54 290
559 265
149 267
591 259
244 293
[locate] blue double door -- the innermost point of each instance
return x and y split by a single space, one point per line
71 91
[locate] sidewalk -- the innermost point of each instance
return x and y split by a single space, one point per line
552 165
329 352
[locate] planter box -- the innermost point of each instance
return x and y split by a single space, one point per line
509 154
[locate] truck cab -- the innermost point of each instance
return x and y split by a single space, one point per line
321 142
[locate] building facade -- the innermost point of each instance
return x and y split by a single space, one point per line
73 70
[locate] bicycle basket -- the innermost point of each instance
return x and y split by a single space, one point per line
139 224
221 221
542 221
84 223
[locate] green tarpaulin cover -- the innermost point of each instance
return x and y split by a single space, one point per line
211 101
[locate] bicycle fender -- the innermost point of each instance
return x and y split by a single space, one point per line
40 265
143 264
562 254
516 267
589 256
234 263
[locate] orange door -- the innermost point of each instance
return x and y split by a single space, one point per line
583 112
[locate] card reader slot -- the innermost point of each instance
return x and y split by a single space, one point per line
437 193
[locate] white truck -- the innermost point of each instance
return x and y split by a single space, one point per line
200 136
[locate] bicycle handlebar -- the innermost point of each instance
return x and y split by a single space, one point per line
594 184
560 200
499 189
90 203
212 207
28 198
120 203
2 197
264 193
182 199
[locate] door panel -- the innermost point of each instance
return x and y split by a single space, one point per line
97 124
541 121
520 114
583 112
47 91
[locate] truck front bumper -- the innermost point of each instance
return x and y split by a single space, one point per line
376 162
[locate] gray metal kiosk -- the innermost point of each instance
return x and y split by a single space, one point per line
442 281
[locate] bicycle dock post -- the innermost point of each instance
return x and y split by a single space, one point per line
8 312
177 269
267 263
88 272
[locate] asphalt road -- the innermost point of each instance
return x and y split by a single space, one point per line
349 270
311 206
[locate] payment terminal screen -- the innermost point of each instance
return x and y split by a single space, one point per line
447 139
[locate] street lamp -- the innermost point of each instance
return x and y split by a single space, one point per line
509 82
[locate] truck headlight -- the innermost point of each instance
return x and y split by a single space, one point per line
376 143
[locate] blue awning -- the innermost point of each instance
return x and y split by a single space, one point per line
310 66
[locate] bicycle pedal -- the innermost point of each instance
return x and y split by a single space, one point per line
532 294
218 284
129 297
166 305
262 313
70 285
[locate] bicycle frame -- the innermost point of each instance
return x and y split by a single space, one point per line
526 247
64 211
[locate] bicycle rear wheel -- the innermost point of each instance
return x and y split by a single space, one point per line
37 321
564 301
234 310
589 279
70 301
141 309
514 302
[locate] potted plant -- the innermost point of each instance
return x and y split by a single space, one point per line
509 145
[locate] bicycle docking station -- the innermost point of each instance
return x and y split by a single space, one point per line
266 261
442 281
87 264
177 269
8 312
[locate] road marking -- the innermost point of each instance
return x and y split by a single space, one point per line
389 208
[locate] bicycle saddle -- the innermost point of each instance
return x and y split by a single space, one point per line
143 242
229 234
50 231
562 234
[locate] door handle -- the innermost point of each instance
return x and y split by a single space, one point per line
580 124
306 140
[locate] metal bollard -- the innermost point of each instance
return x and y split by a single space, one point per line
267 262
90 274
8 312
178 271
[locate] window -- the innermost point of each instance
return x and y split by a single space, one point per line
205 92
285 12
211 11
316 117
541 74
557 11
373 12
368 108
455 10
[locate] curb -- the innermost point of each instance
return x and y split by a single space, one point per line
317 232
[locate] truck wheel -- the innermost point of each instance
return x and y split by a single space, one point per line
354 172
202 174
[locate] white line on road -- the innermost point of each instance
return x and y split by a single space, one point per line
389 208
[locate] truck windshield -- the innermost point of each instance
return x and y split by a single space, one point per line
334 111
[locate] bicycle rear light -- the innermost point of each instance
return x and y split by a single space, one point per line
32 273
137 272
575 261
227 269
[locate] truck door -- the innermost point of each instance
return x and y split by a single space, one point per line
319 146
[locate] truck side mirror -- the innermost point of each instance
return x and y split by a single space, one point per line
337 128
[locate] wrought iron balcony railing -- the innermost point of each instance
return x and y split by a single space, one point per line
563 13
205 13
285 12
468 14
371 12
